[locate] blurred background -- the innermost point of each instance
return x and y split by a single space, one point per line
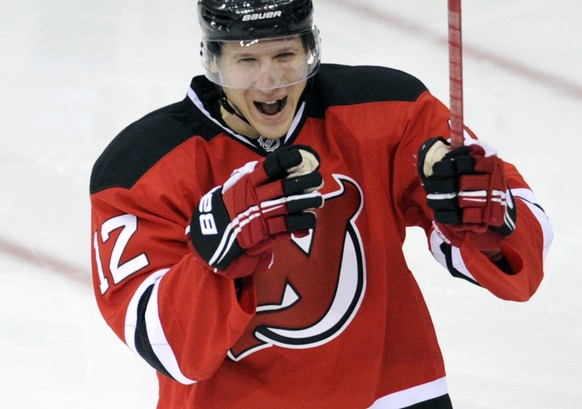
75 73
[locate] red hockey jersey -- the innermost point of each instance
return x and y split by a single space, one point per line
338 321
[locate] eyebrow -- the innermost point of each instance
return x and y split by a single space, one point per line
274 50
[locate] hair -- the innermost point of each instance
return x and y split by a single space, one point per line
307 39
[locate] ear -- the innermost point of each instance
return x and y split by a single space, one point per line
214 66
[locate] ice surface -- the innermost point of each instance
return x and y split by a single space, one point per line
74 73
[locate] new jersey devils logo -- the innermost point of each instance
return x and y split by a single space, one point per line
317 283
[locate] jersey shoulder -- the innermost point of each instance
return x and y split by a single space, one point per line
143 143
337 85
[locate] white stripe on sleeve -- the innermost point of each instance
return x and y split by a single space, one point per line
412 396
155 332
528 197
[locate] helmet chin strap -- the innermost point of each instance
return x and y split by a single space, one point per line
224 102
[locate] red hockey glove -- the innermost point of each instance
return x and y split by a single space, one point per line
467 190
234 225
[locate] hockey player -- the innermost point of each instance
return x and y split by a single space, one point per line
247 241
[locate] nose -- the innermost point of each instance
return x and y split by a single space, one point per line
268 76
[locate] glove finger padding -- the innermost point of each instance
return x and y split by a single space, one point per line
260 202
467 190
483 192
440 179
267 196
290 161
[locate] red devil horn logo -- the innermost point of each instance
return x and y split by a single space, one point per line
307 303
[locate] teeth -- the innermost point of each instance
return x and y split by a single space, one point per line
271 108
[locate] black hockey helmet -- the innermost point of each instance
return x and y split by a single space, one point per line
232 20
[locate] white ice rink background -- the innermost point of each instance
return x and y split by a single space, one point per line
74 73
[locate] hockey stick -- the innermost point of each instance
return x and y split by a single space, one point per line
456 73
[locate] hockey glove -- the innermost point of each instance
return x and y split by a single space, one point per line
467 190
234 225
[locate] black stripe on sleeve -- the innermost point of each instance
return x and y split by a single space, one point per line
448 252
142 342
442 402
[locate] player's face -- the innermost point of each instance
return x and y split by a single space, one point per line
270 78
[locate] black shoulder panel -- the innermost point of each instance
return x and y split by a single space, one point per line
336 85
142 144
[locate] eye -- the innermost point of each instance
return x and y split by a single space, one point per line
247 60
285 56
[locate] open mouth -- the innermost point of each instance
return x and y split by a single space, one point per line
271 108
